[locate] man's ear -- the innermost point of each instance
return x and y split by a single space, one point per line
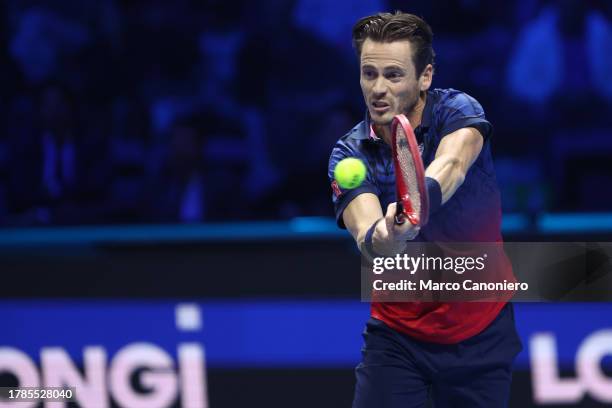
426 78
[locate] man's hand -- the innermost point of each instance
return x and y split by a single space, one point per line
390 238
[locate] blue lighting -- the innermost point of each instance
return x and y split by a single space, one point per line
515 223
297 228
568 223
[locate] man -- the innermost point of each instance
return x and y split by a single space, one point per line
457 354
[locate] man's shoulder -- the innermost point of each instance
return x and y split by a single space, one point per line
450 98
354 138
355 143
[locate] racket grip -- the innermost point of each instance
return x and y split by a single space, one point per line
400 215
400 218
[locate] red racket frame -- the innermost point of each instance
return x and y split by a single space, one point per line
404 204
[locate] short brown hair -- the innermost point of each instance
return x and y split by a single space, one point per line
388 27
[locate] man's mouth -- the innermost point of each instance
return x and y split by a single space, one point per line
380 106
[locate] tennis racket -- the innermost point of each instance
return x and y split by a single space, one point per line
412 198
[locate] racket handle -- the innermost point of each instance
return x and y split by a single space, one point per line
400 215
400 218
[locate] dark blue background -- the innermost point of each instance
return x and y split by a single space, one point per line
155 111
191 111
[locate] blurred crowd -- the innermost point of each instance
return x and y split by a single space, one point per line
116 111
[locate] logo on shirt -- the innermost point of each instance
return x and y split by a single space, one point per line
336 188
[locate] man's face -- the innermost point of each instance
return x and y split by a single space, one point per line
388 79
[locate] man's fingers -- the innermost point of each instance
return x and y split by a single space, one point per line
403 232
390 217
391 209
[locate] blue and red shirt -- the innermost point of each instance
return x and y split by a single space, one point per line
472 214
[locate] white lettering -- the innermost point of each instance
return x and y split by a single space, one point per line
592 350
21 366
159 376
59 370
550 388
547 386
193 376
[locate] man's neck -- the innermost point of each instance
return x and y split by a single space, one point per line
415 117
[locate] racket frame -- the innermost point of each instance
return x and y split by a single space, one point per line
404 204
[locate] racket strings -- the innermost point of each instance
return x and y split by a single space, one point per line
408 170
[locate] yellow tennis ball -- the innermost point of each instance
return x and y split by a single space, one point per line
350 172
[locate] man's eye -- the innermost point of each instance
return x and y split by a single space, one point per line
393 75
369 74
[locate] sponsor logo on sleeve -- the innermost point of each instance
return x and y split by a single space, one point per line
336 188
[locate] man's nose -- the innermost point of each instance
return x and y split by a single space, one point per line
380 88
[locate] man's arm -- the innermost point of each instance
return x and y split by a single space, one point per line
456 152
360 214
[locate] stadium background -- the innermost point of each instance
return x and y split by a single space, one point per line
163 187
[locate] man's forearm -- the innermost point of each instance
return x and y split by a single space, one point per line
449 172
454 156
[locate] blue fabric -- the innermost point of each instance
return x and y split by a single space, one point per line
398 371
473 213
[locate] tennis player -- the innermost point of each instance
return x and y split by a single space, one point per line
455 354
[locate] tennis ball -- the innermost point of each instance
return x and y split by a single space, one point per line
350 172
